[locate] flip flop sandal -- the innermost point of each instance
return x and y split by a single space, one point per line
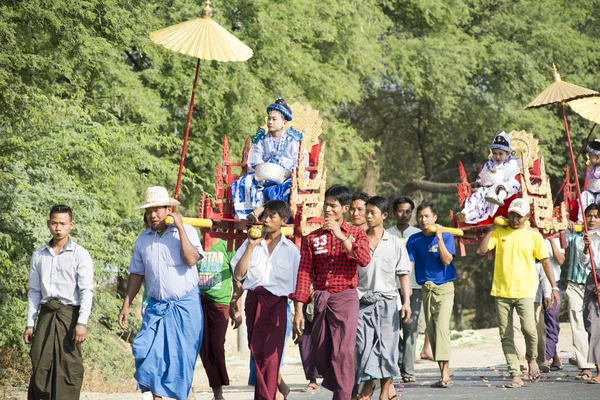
555 367
442 384
583 376
545 367
514 384
393 397
311 387
595 380
408 379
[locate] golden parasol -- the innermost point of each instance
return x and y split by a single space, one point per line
560 92
588 108
205 39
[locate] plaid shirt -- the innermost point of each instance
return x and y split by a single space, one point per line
324 257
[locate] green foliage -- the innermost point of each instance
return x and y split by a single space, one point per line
93 112
459 72
106 354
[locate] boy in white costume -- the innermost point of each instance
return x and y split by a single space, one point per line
497 180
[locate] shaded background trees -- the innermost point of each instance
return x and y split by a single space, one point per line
92 112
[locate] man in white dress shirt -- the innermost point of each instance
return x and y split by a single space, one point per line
61 288
269 267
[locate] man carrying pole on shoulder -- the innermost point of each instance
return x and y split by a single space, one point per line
517 249
268 265
167 346
432 255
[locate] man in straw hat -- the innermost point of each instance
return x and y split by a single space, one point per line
166 348
514 285
61 286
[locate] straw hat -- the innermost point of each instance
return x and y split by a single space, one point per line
157 196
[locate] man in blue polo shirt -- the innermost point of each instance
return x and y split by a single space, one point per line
431 255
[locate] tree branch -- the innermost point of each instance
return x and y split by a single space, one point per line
422 185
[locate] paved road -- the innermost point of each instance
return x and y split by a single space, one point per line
483 383
487 384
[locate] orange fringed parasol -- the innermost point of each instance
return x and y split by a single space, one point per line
205 39
560 92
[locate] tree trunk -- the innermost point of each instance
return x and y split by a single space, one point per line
370 177
421 134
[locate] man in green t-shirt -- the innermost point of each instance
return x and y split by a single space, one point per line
214 279
517 248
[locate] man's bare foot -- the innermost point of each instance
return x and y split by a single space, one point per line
534 371
426 356
391 391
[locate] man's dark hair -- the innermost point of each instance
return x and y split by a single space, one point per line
380 202
402 200
426 204
591 207
61 209
360 195
280 207
341 193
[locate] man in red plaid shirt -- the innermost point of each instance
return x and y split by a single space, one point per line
331 255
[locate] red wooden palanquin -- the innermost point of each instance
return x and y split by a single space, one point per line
535 187
307 189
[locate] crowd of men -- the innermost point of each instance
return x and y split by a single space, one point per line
357 292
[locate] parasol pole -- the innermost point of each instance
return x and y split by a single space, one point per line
574 167
562 186
187 132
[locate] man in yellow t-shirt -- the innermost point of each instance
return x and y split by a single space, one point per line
517 249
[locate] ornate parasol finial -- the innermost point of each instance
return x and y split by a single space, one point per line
207 11
555 74
559 92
